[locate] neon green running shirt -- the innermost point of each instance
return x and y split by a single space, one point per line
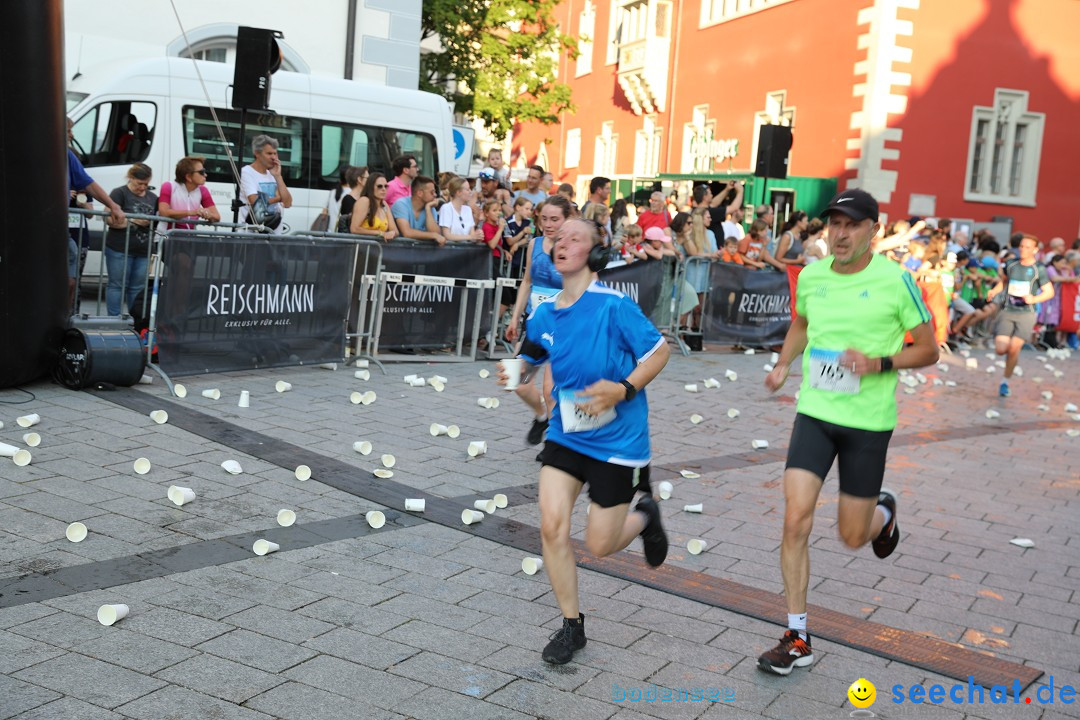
868 311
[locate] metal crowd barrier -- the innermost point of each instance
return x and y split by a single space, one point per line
687 270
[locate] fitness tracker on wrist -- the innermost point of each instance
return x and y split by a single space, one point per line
631 391
886 364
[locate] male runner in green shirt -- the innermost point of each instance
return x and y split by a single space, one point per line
853 309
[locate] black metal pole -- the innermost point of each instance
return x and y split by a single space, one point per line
350 40
34 202
237 202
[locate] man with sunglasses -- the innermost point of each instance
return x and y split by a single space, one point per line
187 197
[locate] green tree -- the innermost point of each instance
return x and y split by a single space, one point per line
498 60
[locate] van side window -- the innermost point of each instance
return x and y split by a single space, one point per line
201 138
119 132
339 145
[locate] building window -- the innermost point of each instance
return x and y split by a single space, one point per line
607 147
213 54
776 112
573 148
718 11
1004 149
586 33
647 149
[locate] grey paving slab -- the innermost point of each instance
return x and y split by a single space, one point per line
175 626
296 701
452 674
176 703
292 627
133 651
256 650
61 629
355 681
91 680
220 678
541 700
463 645
358 647
439 704
20 696
68 708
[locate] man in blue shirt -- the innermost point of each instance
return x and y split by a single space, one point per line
415 214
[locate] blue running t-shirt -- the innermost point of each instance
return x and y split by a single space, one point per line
602 336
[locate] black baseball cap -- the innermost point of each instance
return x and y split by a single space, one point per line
855 203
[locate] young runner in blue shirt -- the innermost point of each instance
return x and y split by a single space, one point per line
602 351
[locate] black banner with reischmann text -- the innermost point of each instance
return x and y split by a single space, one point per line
240 301
746 306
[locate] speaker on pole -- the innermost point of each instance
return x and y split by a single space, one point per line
774 144
257 58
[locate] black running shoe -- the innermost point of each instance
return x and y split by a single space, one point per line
654 537
790 653
566 641
889 536
536 432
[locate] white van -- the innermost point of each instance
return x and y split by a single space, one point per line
155 112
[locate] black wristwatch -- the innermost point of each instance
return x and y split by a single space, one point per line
631 391
886 364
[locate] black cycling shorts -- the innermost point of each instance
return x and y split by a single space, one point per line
816 443
609 484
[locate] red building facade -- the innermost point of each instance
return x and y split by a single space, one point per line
952 108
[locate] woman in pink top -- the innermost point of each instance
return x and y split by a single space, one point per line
188 198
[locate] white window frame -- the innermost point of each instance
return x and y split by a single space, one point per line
572 154
647 145
606 150
714 12
1018 186
586 36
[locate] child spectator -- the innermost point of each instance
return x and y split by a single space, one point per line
730 253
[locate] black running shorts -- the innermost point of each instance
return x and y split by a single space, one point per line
816 443
1013 324
609 484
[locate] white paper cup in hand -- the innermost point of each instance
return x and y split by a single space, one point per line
531 565
76 532
282 386
179 391
665 489
109 614
31 439
213 394
142 466
477 447
285 517
262 547
487 506
469 516
362 374
512 367
303 473
696 546
232 467
500 500
181 495
375 518
415 504
245 399
362 446
28 420
693 508
159 416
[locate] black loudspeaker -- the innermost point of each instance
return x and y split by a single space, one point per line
88 357
257 58
774 144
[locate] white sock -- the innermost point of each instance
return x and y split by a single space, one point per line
797 622
888 515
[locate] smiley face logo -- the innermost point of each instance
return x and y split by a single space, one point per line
862 693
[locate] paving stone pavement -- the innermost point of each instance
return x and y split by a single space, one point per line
424 621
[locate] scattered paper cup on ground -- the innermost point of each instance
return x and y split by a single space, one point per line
731 375
972 363
361 363
375 518
733 413
245 399
774 358
1047 395
19 456
484 373
693 508
531 565
328 366
31 439
500 500
695 546
512 367
232 467
415 504
1069 408
991 414
711 383
419 382
759 444
665 489
159 416
285 517
76 532
142 466
282 386
262 547
179 391
439 378
696 419
477 447
110 614
768 367
453 431
369 397
146 379
436 429
362 446
689 474
1023 542
28 420
487 506
438 386
302 473
356 398
362 374
487 402
388 460
213 394
382 473
469 516
1072 432
692 387
410 379
181 495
